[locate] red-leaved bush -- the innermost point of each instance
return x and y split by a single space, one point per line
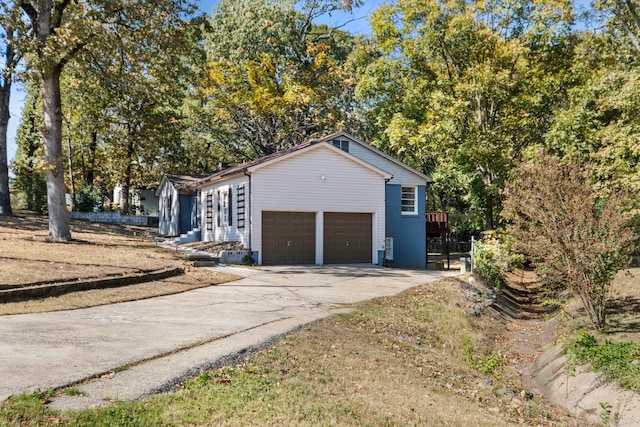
575 238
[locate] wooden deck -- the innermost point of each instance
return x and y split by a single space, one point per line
437 223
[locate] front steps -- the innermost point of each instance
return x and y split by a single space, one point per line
194 235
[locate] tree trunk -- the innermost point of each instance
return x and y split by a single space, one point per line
71 182
126 185
5 198
6 78
52 134
90 170
489 212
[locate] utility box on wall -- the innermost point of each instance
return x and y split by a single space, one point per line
388 248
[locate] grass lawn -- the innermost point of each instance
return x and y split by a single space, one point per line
98 250
412 359
614 352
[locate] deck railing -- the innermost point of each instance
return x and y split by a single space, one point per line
438 217
437 223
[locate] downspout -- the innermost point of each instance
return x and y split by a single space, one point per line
384 254
426 238
248 175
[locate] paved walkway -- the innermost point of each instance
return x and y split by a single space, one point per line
174 337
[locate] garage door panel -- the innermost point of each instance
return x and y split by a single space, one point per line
347 237
288 238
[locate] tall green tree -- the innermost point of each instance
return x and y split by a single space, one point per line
274 77
123 119
86 123
9 59
57 32
453 81
600 123
29 170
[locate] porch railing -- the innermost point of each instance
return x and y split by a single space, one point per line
438 217
437 222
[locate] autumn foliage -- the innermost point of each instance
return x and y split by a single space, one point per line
577 238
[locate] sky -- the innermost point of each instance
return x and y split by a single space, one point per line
358 24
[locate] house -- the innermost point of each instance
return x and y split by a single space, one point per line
142 200
178 211
332 200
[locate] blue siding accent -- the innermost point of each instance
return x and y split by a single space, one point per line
187 212
409 232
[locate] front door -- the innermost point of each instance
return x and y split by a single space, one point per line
186 211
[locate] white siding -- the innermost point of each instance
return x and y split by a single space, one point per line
168 218
145 201
297 184
401 176
225 232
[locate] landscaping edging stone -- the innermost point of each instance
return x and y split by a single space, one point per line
60 288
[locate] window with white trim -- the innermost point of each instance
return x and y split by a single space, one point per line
342 144
409 201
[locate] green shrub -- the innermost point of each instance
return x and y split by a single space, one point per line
494 257
488 364
88 198
617 361
576 236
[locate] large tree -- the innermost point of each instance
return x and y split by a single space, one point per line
30 185
274 76
9 59
123 121
58 31
461 82
600 123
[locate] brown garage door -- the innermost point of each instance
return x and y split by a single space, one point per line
347 237
288 238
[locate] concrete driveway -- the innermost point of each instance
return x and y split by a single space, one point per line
178 335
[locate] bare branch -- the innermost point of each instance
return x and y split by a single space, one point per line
31 12
57 18
327 35
632 11
70 55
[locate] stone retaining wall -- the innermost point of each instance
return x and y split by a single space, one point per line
115 218
56 289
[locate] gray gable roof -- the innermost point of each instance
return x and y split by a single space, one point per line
181 182
343 134
191 183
